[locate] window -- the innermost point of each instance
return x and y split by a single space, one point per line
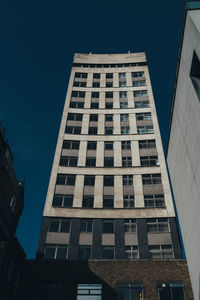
108 161
127 180
78 94
124 117
85 252
96 75
90 161
79 84
124 104
108 252
59 225
109 75
108 145
130 226
129 291
161 252
122 83
68 161
74 117
88 201
125 130
148 161
158 225
96 84
89 292
91 145
108 201
109 94
73 130
141 104
64 179
86 226
138 74
81 75
94 105
92 130
89 180
109 105
154 200
94 118
126 145
129 201
76 104
127 161
147 144
50 290
141 93
195 74
132 252
61 200
109 84
53 251
139 83
171 291
145 129
95 94
123 94
151 179
122 75
108 130
143 116
135 64
71 144
108 180
108 118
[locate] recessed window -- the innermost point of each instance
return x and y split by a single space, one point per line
108 130
124 104
109 84
60 200
145 129
92 130
95 94
78 94
122 75
68 161
94 117
109 105
154 200
87 291
130 226
74 104
109 75
96 84
64 179
96 75
147 144
109 94
74 117
138 74
151 179
129 201
122 83
127 161
89 180
129 291
108 252
53 251
108 226
108 201
126 145
124 117
195 74
88 201
73 130
131 252
108 118
127 180
171 291
139 83
81 75
141 104
59 225
85 253
108 162
94 105
141 93
79 84
108 180
158 225
161 252
125 130
123 94
91 145
149 161
70 144
143 116
108 145
86 225
90 161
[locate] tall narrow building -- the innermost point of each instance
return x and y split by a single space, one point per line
109 197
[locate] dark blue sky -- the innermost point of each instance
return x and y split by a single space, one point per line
38 40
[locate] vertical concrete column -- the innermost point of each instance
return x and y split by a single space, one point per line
101 119
82 154
138 191
101 99
116 99
118 192
85 124
78 191
130 99
128 79
116 122
89 79
117 154
98 192
103 80
100 154
115 80
135 154
87 99
132 122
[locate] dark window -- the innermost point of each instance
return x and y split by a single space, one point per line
172 291
81 75
94 117
64 179
109 94
129 291
127 180
124 104
92 145
108 201
154 200
129 201
124 117
88 201
147 144
123 94
131 252
108 161
130 225
89 291
151 179
78 94
109 84
92 130
108 118
96 75
122 75
139 83
145 129
90 161
108 252
61 200
108 226
158 225
59 225
143 116
89 180
125 130
161 252
108 180
94 105
109 75
108 130
108 145
73 130
109 105
127 161
84 253
148 161
126 145
50 290
95 94
96 84
195 74
86 226
74 117
142 93
138 74
68 161
53 251
79 84
141 104
71 144
74 104
122 83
